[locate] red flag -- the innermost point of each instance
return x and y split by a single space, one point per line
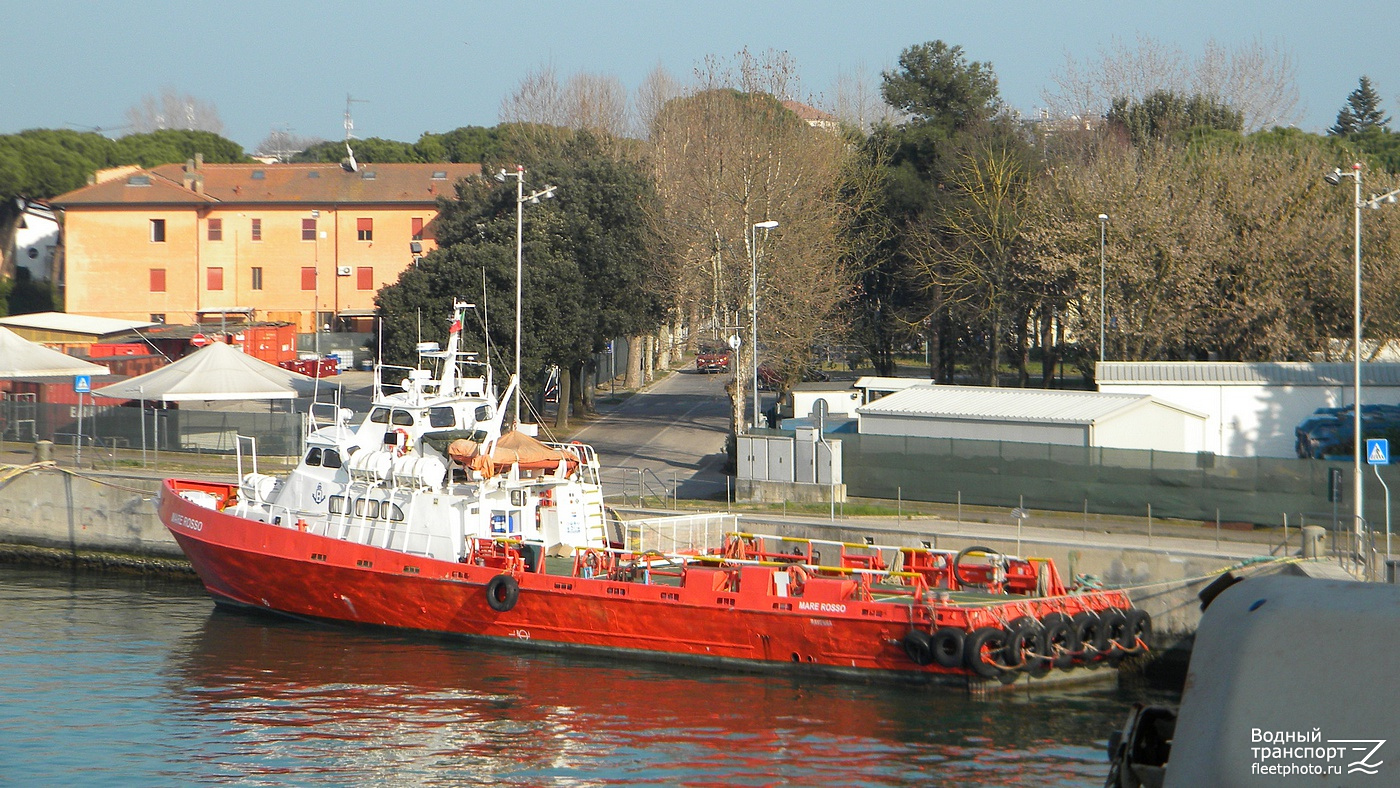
456 325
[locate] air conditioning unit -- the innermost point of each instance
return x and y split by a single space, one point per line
342 270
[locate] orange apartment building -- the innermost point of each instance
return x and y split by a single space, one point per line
308 244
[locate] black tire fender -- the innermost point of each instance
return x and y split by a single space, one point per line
1137 631
1092 637
502 592
918 646
947 644
1025 634
982 650
1061 640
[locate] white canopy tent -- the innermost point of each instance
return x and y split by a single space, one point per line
215 372
20 358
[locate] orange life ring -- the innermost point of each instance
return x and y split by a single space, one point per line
797 578
401 443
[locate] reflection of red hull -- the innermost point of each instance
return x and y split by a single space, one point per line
303 574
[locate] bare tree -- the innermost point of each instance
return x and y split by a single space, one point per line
586 101
856 100
283 144
652 95
173 110
538 99
1258 79
728 155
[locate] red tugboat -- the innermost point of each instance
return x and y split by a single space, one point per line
425 517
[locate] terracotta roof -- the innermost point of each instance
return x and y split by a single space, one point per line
808 113
277 183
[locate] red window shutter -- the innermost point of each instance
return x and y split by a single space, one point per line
216 229
308 229
308 278
364 224
417 228
216 279
364 276
157 280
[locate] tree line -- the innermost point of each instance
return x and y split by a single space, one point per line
923 223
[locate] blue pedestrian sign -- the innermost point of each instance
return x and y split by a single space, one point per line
82 384
1378 451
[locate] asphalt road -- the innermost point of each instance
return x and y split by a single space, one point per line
670 436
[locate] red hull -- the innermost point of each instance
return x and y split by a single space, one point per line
303 574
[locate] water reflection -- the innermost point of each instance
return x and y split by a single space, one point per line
208 695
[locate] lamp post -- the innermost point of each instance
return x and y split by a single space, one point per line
520 199
1358 487
1103 225
753 306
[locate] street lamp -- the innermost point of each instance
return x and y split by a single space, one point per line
1358 488
1103 225
753 306
520 199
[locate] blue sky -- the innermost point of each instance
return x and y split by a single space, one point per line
434 66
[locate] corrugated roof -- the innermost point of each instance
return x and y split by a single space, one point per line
1239 373
989 404
319 184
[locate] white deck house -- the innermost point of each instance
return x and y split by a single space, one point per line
1067 418
1252 408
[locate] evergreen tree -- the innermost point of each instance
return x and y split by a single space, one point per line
1361 113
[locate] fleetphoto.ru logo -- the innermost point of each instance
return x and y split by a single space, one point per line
1286 753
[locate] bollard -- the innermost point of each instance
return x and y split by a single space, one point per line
43 451
1313 536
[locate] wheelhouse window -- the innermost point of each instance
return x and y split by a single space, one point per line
323 458
442 417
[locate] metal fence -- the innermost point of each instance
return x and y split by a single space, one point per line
120 427
1100 480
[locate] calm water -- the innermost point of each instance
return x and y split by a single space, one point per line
119 681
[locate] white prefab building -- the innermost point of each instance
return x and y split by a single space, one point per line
1252 408
842 399
1066 418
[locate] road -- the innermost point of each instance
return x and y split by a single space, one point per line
671 434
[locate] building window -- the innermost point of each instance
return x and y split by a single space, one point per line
308 229
308 278
158 231
417 228
216 229
158 317
364 278
257 277
157 280
215 278
257 229
364 229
